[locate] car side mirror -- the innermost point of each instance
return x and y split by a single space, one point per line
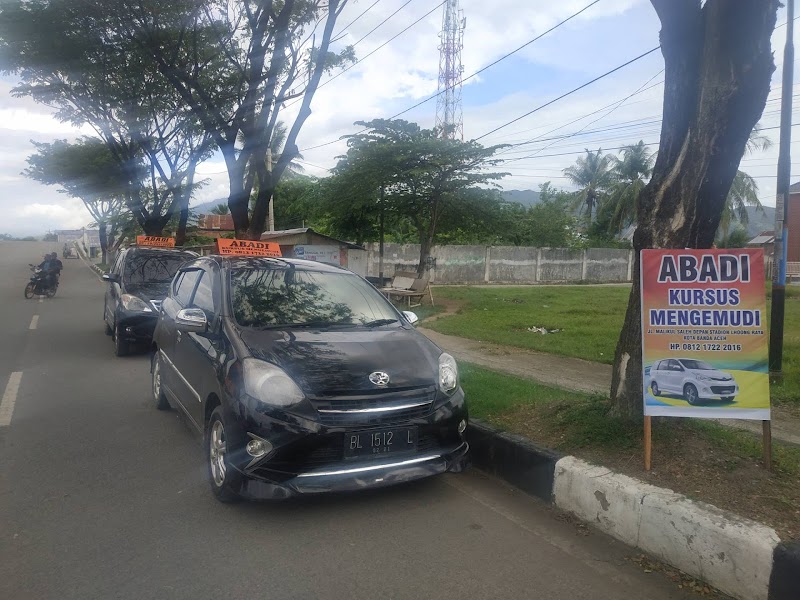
411 317
191 320
108 277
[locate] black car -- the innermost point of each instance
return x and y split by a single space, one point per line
138 282
302 378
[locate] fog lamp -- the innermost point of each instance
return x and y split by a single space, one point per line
258 447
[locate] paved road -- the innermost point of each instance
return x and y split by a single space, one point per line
102 496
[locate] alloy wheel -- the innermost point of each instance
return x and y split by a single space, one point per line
216 453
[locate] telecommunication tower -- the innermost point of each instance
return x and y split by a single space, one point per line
449 113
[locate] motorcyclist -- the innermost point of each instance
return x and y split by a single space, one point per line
50 268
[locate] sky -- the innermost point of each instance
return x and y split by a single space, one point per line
619 109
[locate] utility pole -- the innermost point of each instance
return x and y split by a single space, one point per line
271 197
782 206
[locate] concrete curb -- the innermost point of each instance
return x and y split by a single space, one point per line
514 458
740 557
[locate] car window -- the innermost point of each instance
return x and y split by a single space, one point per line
697 365
657 366
204 294
177 282
674 366
275 297
186 287
152 267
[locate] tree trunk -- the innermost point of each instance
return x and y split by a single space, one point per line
153 226
103 227
425 248
180 234
718 65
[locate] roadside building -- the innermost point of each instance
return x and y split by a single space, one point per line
308 244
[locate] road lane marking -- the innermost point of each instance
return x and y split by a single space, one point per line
9 398
34 322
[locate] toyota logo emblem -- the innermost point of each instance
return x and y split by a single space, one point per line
379 378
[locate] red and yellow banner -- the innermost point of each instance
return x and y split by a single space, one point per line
155 241
228 247
704 334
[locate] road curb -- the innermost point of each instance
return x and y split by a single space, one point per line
742 558
514 458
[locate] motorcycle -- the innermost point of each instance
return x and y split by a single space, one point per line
39 285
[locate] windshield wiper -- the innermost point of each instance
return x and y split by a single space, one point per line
379 322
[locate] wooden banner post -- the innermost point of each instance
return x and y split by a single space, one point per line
648 442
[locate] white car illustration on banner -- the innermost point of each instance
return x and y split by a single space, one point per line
694 380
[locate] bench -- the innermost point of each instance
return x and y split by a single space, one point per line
792 270
409 287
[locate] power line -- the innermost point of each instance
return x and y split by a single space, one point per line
475 74
354 21
572 91
378 26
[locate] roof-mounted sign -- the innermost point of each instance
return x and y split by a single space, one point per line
155 241
228 247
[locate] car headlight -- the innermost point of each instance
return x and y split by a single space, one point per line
270 384
448 373
135 304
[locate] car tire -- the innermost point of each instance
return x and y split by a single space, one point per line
654 387
159 397
225 481
121 346
690 394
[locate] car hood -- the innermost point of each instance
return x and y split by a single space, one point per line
338 362
148 291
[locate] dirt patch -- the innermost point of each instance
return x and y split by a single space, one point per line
701 461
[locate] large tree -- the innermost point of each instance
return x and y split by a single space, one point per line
718 65
424 175
236 64
88 171
70 56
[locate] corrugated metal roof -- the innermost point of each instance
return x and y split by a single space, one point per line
761 239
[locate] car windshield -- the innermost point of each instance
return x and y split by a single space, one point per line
697 365
153 267
271 298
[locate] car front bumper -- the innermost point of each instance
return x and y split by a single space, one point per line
360 476
308 456
717 392
137 327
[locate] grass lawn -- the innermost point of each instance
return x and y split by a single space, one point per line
590 318
697 458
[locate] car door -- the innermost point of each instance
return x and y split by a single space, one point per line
170 337
675 377
197 354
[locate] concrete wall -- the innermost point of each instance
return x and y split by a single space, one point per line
507 264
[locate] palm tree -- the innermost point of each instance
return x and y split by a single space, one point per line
592 175
630 174
744 189
220 209
743 193
276 146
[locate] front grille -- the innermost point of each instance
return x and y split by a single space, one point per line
418 403
723 389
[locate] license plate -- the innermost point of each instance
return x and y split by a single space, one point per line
380 442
